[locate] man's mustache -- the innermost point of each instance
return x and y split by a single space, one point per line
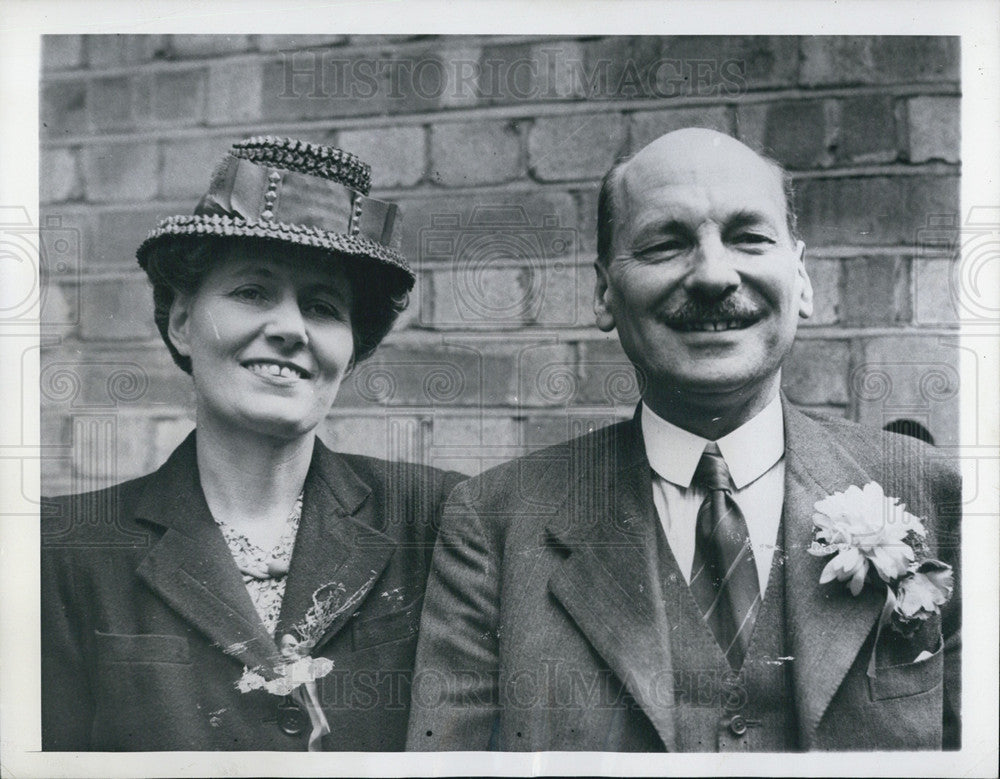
731 309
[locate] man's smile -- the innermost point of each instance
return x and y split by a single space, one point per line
711 325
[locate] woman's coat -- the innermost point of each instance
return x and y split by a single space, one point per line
147 625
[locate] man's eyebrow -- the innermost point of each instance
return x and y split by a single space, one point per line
747 217
744 217
655 227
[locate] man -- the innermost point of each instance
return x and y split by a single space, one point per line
654 585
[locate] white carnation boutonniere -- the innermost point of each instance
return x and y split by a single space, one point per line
873 538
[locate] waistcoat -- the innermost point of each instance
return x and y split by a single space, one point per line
718 709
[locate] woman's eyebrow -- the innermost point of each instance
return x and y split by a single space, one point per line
328 289
261 271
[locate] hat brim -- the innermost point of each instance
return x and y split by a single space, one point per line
302 235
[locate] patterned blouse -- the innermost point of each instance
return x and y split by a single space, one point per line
264 572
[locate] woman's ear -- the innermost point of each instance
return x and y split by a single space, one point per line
179 323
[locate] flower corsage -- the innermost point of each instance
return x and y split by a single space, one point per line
297 672
873 538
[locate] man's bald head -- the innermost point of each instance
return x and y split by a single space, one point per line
686 149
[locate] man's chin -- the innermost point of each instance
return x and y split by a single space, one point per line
716 383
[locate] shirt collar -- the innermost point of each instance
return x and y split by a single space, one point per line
750 450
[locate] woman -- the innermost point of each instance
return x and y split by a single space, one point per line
258 591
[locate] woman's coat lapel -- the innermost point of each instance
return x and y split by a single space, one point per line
337 547
190 567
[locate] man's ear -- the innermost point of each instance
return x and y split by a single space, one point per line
602 299
179 322
806 294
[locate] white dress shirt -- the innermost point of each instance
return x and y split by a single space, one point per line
755 454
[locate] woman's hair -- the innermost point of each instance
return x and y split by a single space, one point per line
179 267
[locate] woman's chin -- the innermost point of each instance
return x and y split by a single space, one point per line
282 426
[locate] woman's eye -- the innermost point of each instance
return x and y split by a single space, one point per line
324 309
250 294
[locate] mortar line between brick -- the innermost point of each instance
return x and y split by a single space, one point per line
579 337
385 49
528 186
584 261
519 111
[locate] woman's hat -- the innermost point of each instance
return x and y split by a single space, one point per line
297 192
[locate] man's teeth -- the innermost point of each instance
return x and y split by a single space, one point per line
714 326
270 369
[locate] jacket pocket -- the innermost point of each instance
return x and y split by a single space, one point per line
141 648
383 628
147 695
900 681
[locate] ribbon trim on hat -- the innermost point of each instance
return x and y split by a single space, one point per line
258 193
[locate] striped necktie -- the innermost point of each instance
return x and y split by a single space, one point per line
724 575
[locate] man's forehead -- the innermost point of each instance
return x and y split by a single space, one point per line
702 159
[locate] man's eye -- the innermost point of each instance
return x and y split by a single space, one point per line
662 249
752 238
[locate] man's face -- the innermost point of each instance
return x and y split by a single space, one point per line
705 284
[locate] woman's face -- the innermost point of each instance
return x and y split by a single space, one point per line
269 339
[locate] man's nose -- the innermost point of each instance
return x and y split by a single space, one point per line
286 324
712 273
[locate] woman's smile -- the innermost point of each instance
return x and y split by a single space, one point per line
276 369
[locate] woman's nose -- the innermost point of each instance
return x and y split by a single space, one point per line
712 274
286 324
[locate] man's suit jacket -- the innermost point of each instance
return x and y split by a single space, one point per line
541 628
147 624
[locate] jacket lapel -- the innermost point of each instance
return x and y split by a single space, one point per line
191 568
607 583
826 624
337 551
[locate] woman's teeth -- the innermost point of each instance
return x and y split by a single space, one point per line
271 369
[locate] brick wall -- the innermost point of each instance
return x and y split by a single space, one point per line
493 146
